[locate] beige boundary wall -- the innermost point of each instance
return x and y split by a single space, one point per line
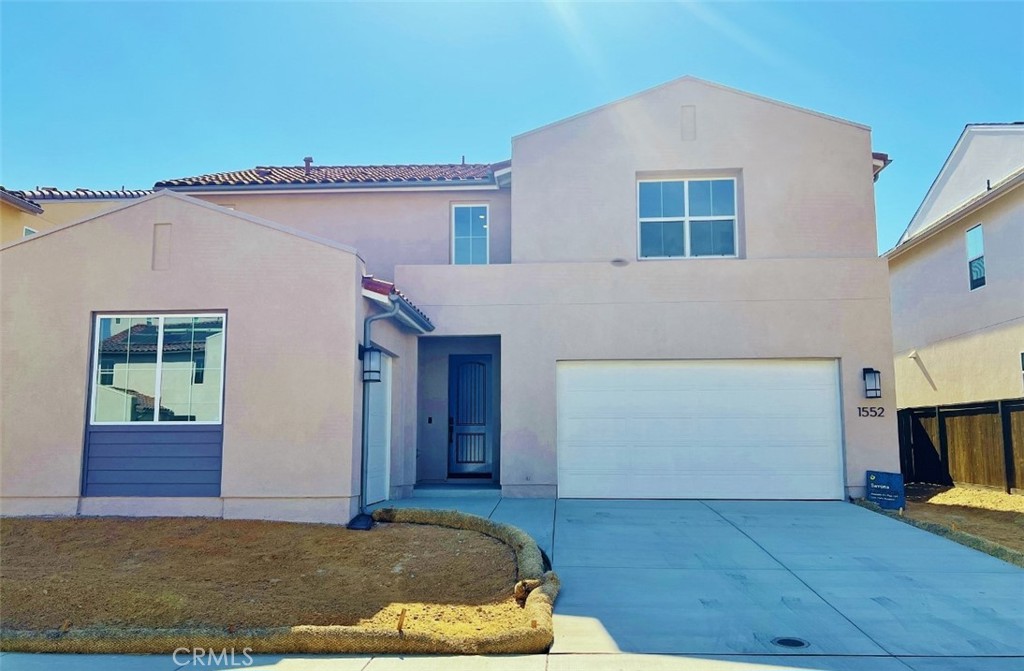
291 400
711 309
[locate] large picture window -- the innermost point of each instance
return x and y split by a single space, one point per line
158 368
686 218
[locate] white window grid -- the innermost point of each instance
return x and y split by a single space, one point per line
685 220
487 228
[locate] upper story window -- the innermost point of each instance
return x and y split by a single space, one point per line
976 257
687 218
158 368
470 238
27 231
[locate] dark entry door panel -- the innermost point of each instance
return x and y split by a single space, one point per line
470 416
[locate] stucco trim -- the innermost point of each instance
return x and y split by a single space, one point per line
167 193
698 80
981 200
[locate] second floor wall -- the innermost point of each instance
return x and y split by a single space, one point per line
802 182
388 227
931 283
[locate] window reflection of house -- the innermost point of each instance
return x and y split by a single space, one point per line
141 359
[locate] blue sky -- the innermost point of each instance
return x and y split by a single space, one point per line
103 95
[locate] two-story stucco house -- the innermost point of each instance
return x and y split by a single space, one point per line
675 295
957 276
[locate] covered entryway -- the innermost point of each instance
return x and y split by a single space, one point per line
716 429
459 397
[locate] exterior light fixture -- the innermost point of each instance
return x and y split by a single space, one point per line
872 383
371 364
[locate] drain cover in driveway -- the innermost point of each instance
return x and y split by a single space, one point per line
790 642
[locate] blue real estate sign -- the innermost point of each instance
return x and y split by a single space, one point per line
886 489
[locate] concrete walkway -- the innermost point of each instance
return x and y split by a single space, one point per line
687 585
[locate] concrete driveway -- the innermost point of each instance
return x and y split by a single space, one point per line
708 585
725 578
720 580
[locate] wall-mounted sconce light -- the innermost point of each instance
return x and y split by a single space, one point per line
371 364
872 383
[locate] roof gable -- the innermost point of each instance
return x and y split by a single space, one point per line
690 80
195 202
985 156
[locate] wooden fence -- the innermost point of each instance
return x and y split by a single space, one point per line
978 444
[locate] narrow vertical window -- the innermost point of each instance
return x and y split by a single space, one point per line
976 257
470 235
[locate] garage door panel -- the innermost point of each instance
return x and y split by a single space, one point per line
699 429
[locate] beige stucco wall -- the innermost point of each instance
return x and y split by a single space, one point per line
290 404
699 309
968 343
805 182
387 227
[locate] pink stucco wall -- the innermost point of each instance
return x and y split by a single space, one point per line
711 309
387 227
806 180
290 404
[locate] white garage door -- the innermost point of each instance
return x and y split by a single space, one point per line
751 429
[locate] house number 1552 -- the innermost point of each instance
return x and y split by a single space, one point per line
870 411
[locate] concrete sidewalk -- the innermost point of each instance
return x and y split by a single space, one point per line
687 585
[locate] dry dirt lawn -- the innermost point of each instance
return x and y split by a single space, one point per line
175 572
992 515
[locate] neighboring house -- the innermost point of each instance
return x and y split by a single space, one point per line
957 278
19 216
28 212
675 295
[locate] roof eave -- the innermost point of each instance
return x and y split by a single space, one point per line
329 186
879 162
20 203
410 316
972 205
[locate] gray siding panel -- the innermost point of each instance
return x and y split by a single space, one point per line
152 490
153 460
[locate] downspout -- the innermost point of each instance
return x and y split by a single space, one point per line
362 521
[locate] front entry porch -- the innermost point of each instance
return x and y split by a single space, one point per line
459 411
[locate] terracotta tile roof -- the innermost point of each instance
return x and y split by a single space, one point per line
340 175
18 200
143 338
52 193
385 288
146 402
